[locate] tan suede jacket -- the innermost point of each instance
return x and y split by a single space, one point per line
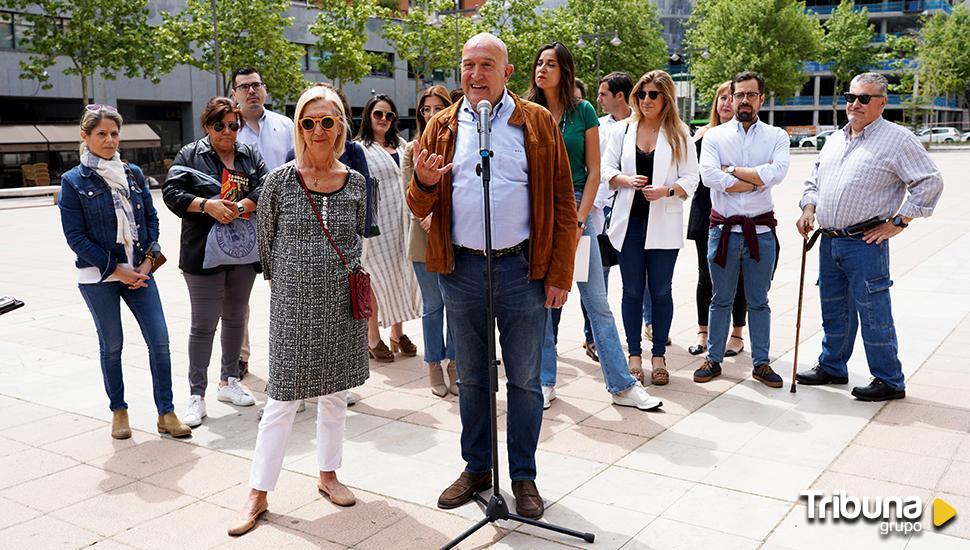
553 224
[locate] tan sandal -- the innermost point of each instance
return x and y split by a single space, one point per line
659 375
637 372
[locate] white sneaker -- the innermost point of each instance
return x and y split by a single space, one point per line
234 392
195 412
548 394
637 397
351 398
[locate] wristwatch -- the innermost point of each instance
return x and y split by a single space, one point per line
240 208
671 192
730 170
897 220
581 225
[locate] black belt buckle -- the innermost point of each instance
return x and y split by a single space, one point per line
500 253
861 227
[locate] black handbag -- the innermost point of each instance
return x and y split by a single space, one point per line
607 253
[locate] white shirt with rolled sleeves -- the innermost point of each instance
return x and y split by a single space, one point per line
509 186
868 176
274 140
762 147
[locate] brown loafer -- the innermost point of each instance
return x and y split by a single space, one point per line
119 424
380 353
337 493
404 346
247 521
170 424
461 490
528 502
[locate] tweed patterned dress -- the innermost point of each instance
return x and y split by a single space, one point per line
385 256
316 347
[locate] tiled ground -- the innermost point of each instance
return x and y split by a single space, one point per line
721 467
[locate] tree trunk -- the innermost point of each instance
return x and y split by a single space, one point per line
835 104
85 90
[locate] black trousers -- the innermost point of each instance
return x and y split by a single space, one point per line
705 290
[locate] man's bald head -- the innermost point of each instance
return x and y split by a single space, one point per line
485 68
488 40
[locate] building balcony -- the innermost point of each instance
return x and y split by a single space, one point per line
902 7
896 100
887 65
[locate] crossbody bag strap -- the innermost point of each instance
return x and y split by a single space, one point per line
617 192
313 206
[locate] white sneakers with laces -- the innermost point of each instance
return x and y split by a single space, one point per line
195 412
235 393
548 395
636 396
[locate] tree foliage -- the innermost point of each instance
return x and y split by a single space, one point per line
772 37
845 46
341 28
251 34
943 53
523 30
103 37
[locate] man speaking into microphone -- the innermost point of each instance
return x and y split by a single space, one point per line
533 225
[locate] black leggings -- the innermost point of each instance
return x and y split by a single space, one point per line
705 290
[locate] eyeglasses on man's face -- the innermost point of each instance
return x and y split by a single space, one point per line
383 115
326 122
863 98
750 96
653 94
220 126
253 86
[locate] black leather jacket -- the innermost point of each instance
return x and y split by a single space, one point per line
181 188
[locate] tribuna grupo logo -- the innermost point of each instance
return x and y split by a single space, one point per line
894 514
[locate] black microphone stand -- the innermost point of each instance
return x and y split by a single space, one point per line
495 507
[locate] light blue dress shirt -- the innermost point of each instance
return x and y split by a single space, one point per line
509 185
274 140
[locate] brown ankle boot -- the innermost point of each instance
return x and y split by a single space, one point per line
453 377
170 424
119 425
437 379
404 346
380 353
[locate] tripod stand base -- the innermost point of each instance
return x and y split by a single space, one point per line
496 508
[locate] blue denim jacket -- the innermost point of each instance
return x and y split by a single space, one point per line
89 222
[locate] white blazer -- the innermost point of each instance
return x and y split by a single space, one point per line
665 226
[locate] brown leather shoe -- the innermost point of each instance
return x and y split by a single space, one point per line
119 424
380 353
528 502
461 490
404 346
170 424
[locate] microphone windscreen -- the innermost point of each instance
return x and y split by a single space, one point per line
484 104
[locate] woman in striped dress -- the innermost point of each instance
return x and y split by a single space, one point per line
396 296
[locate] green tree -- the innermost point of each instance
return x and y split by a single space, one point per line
772 37
103 37
425 39
251 34
900 52
523 30
845 46
943 54
341 28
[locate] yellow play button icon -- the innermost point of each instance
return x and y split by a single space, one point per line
942 512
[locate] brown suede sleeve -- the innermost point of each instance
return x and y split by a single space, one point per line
560 272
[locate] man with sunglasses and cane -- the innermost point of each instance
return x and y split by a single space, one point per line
858 190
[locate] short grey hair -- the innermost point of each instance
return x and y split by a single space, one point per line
872 78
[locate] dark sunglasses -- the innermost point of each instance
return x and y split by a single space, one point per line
385 115
95 107
326 122
863 98
642 94
220 126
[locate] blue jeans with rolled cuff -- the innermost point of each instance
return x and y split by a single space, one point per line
438 344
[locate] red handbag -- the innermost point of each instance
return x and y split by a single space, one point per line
359 280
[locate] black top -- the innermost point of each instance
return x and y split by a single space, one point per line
641 206
699 222
396 157
181 188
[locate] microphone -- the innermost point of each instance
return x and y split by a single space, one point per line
484 109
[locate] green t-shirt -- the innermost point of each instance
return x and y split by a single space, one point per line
573 127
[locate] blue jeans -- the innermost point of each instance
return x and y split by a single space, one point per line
104 302
635 263
521 318
433 317
853 283
647 308
756 280
592 294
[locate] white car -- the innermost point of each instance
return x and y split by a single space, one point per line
943 134
812 141
966 136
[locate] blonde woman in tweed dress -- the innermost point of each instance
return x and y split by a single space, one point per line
316 347
396 294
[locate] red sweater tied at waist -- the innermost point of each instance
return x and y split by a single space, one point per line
748 231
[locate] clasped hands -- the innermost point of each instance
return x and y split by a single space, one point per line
642 184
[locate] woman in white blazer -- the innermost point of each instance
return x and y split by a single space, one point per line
650 160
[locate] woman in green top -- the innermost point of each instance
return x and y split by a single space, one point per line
552 86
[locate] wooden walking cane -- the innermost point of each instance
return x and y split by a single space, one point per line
807 244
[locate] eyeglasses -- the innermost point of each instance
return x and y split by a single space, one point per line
383 115
254 86
95 107
750 96
429 111
642 94
326 122
863 98
220 126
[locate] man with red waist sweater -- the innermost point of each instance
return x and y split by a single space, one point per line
740 162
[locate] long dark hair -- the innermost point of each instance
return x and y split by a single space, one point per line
567 78
366 132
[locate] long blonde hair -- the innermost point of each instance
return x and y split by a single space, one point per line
715 117
677 132
314 93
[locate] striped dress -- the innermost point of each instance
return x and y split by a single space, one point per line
385 256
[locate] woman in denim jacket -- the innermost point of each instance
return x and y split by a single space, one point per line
110 223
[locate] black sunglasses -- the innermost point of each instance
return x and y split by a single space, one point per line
863 98
326 122
642 94
386 115
220 126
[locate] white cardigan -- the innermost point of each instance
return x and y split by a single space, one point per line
665 226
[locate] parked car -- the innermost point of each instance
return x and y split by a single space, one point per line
813 140
966 136
942 134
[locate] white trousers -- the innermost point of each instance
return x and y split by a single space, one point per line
274 432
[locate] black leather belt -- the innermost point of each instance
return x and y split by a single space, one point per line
499 253
853 231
